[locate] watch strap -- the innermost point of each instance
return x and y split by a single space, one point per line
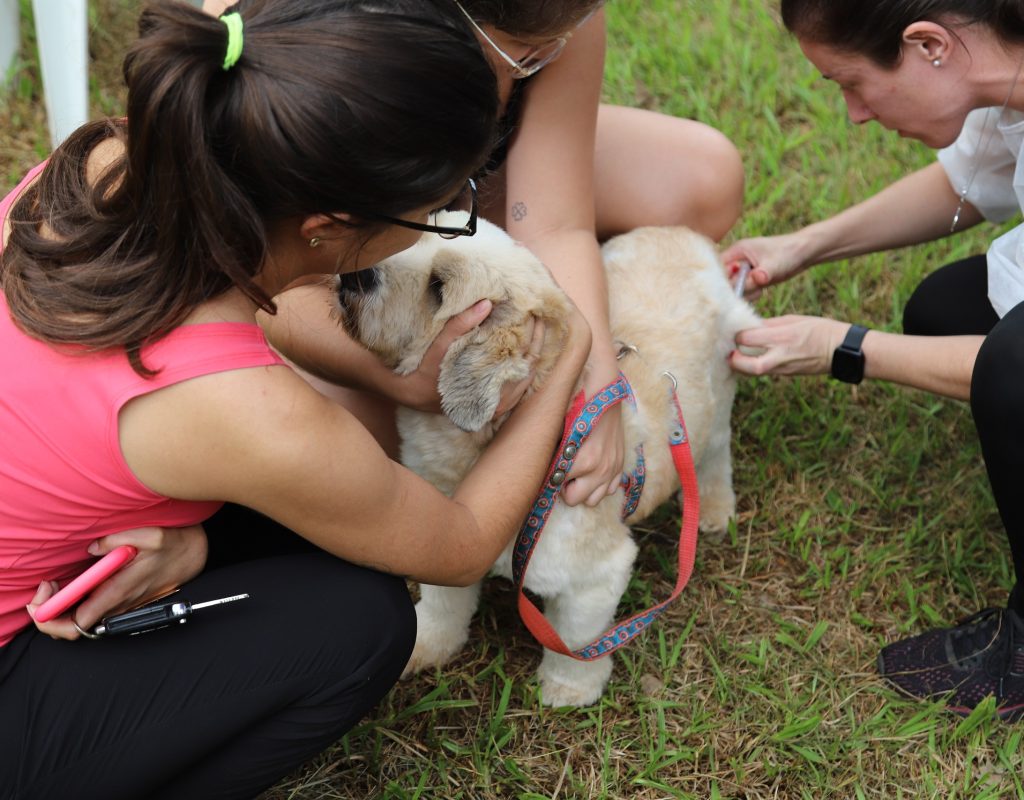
854 338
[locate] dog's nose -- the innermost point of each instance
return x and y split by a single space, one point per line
361 282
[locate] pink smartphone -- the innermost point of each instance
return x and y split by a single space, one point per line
85 583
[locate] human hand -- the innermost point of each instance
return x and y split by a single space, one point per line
166 558
573 353
773 259
790 345
512 392
418 389
597 471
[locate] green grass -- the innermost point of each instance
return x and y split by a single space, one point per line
864 513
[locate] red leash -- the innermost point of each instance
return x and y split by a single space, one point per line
579 423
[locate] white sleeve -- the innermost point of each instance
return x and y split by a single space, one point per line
980 151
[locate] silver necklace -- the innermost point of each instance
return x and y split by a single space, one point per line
983 140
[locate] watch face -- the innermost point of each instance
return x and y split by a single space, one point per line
847 366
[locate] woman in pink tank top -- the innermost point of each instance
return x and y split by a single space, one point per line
285 140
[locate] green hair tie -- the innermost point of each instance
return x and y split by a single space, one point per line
235 39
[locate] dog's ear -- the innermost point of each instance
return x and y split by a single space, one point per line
479 364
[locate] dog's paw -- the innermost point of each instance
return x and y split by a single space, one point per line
556 694
567 682
716 509
717 522
437 642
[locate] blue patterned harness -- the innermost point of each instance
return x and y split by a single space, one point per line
580 421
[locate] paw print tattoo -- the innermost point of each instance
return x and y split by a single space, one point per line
519 212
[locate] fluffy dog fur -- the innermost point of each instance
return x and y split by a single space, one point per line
669 299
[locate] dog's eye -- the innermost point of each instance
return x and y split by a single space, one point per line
436 287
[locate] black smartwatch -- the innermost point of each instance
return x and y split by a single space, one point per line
848 358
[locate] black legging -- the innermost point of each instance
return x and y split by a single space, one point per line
221 707
954 301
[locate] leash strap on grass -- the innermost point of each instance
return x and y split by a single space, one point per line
580 421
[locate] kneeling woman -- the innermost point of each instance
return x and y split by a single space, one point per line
137 394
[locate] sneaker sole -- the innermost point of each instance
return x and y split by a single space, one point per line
1005 713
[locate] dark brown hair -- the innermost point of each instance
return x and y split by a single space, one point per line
529 19
874 28
375 106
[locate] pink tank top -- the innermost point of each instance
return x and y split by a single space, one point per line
63 479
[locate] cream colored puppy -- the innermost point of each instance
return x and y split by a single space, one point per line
669 300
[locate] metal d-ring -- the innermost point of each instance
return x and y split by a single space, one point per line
82 630
625 350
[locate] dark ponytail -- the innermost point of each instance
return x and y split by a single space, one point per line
373 106
874 28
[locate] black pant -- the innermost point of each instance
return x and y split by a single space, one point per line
223 706
954 301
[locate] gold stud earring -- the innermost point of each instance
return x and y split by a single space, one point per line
314 242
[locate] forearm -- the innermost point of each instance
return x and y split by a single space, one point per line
574 259
942 365
799 345
307 332
919 208
420 533
550 174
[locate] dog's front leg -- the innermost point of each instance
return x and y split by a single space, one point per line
442 624
714 473
581 614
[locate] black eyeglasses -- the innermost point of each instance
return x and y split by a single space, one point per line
464 201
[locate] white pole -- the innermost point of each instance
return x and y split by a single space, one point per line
62 30
8 37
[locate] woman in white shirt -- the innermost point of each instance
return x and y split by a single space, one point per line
948 73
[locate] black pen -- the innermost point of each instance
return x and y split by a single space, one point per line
159 615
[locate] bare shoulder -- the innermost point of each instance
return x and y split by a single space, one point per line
224 435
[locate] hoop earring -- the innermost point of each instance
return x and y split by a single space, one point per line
314 242
937 62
